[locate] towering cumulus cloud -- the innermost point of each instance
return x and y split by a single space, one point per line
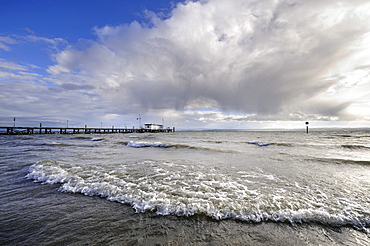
263 58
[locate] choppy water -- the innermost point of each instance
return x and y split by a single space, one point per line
186 188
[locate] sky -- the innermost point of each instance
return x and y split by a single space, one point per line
207 64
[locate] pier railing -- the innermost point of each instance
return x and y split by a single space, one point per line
13 130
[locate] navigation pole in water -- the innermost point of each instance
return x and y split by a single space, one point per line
307 126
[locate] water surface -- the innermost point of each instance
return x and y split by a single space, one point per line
186 188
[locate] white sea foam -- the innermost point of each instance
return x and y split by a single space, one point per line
97 139
147 144
171 189
260 144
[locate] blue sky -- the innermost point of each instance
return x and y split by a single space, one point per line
67 19
197 64
70 19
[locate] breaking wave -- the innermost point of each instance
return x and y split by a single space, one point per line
184 190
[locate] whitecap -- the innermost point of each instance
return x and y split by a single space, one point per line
260 144
96 139
147 144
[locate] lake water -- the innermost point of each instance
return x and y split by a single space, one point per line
186 188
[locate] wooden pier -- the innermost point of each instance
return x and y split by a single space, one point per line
18 130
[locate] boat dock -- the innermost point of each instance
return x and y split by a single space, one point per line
19 130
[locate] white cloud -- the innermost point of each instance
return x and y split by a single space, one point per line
53 43
7 65
256 57
5 41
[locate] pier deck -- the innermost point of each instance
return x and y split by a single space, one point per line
74 130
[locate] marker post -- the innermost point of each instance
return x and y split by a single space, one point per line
307 126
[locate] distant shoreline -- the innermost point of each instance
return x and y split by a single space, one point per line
278 129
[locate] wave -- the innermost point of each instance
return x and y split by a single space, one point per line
214 141
351 146
97 139
260 144
263 144
193 147
343 161
355 135
284 144
71 144
172 189
173 145
89 138
57 144
147 144
344 135
82 137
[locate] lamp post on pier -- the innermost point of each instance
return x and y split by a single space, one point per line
139 119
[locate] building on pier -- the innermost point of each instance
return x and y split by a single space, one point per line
153 127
